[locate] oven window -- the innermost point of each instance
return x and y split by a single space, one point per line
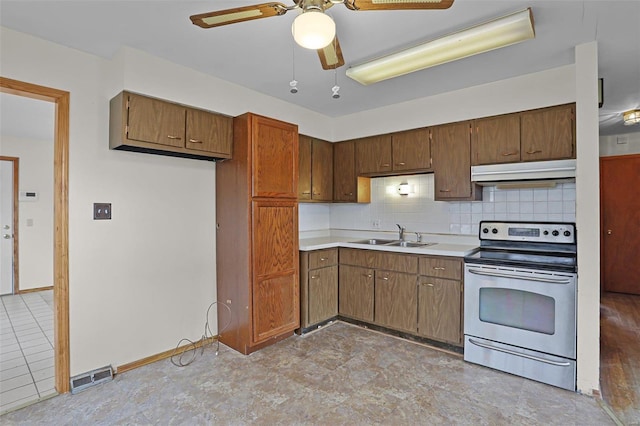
518 309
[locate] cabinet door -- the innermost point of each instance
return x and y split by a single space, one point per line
548 134
323 294
304 168
356 292
209 132
411 150
396 300
451 152
274 158
275 301
321 170
439 309
155 121
373 155
344 171
496 140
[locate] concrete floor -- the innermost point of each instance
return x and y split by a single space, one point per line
342 374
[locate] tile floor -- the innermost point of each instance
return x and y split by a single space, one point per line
26 349
341 374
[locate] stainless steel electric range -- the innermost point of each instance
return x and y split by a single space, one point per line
520 301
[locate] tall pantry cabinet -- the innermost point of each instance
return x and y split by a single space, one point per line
257 234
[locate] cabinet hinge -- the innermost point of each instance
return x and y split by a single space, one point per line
126 130
127 103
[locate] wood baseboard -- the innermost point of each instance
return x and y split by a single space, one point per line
163 355
33 290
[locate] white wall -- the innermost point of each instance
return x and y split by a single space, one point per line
143 280
626 144
35 231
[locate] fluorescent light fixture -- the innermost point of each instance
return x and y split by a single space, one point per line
631 117
405 189
482 38
312 29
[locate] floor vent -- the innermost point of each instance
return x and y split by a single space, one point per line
92 378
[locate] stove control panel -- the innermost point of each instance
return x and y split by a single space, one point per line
543 232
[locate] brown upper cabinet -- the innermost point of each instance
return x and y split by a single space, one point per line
395 153
347 185
274 157
496 140
411 150
373 155
536 135
315 182
451 151
548 133
144 124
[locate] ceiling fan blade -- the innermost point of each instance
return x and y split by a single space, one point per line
238 14
331 55
397 4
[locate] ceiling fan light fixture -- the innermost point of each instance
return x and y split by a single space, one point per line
631 117
501 32
313 29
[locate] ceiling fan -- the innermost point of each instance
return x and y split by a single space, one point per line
312 29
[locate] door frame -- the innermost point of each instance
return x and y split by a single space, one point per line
16 186
60 219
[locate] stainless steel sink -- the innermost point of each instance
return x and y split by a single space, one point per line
392 243
409 244
374 242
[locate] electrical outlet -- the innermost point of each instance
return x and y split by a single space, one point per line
101 211
376 224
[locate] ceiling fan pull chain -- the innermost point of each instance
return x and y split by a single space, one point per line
335 89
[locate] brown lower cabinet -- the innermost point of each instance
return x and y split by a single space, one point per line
318 286
396 300
420 295
356 292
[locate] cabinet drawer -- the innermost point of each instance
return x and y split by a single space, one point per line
322 258
379 260
441 267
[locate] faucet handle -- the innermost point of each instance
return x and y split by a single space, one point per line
418 237
402 228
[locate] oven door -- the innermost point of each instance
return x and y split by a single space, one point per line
527 308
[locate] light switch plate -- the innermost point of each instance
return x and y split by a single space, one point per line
101 211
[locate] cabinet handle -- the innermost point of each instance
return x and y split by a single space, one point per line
313 277
506 154
368 275
173 137
385 165
322 259
536 151
316 193
438 268
195 141
348 193
445 190
385 278
428 284
306 193
402 163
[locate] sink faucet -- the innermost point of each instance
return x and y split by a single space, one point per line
400 231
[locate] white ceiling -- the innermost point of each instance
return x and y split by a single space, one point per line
260 54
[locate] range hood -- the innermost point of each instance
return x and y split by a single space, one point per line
525 172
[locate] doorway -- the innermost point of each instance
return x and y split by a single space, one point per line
9 174
61 219
620 215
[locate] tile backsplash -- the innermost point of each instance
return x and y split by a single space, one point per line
419 212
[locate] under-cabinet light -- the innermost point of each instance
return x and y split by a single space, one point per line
491 35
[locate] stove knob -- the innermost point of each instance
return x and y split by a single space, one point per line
545 233
485 230
567 233
494 230
555 233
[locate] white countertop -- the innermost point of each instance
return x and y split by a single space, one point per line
441 248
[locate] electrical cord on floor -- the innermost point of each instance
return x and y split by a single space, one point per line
178 359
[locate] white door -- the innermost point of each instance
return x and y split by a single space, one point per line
6 227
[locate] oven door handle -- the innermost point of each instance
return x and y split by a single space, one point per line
519 277
507 351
